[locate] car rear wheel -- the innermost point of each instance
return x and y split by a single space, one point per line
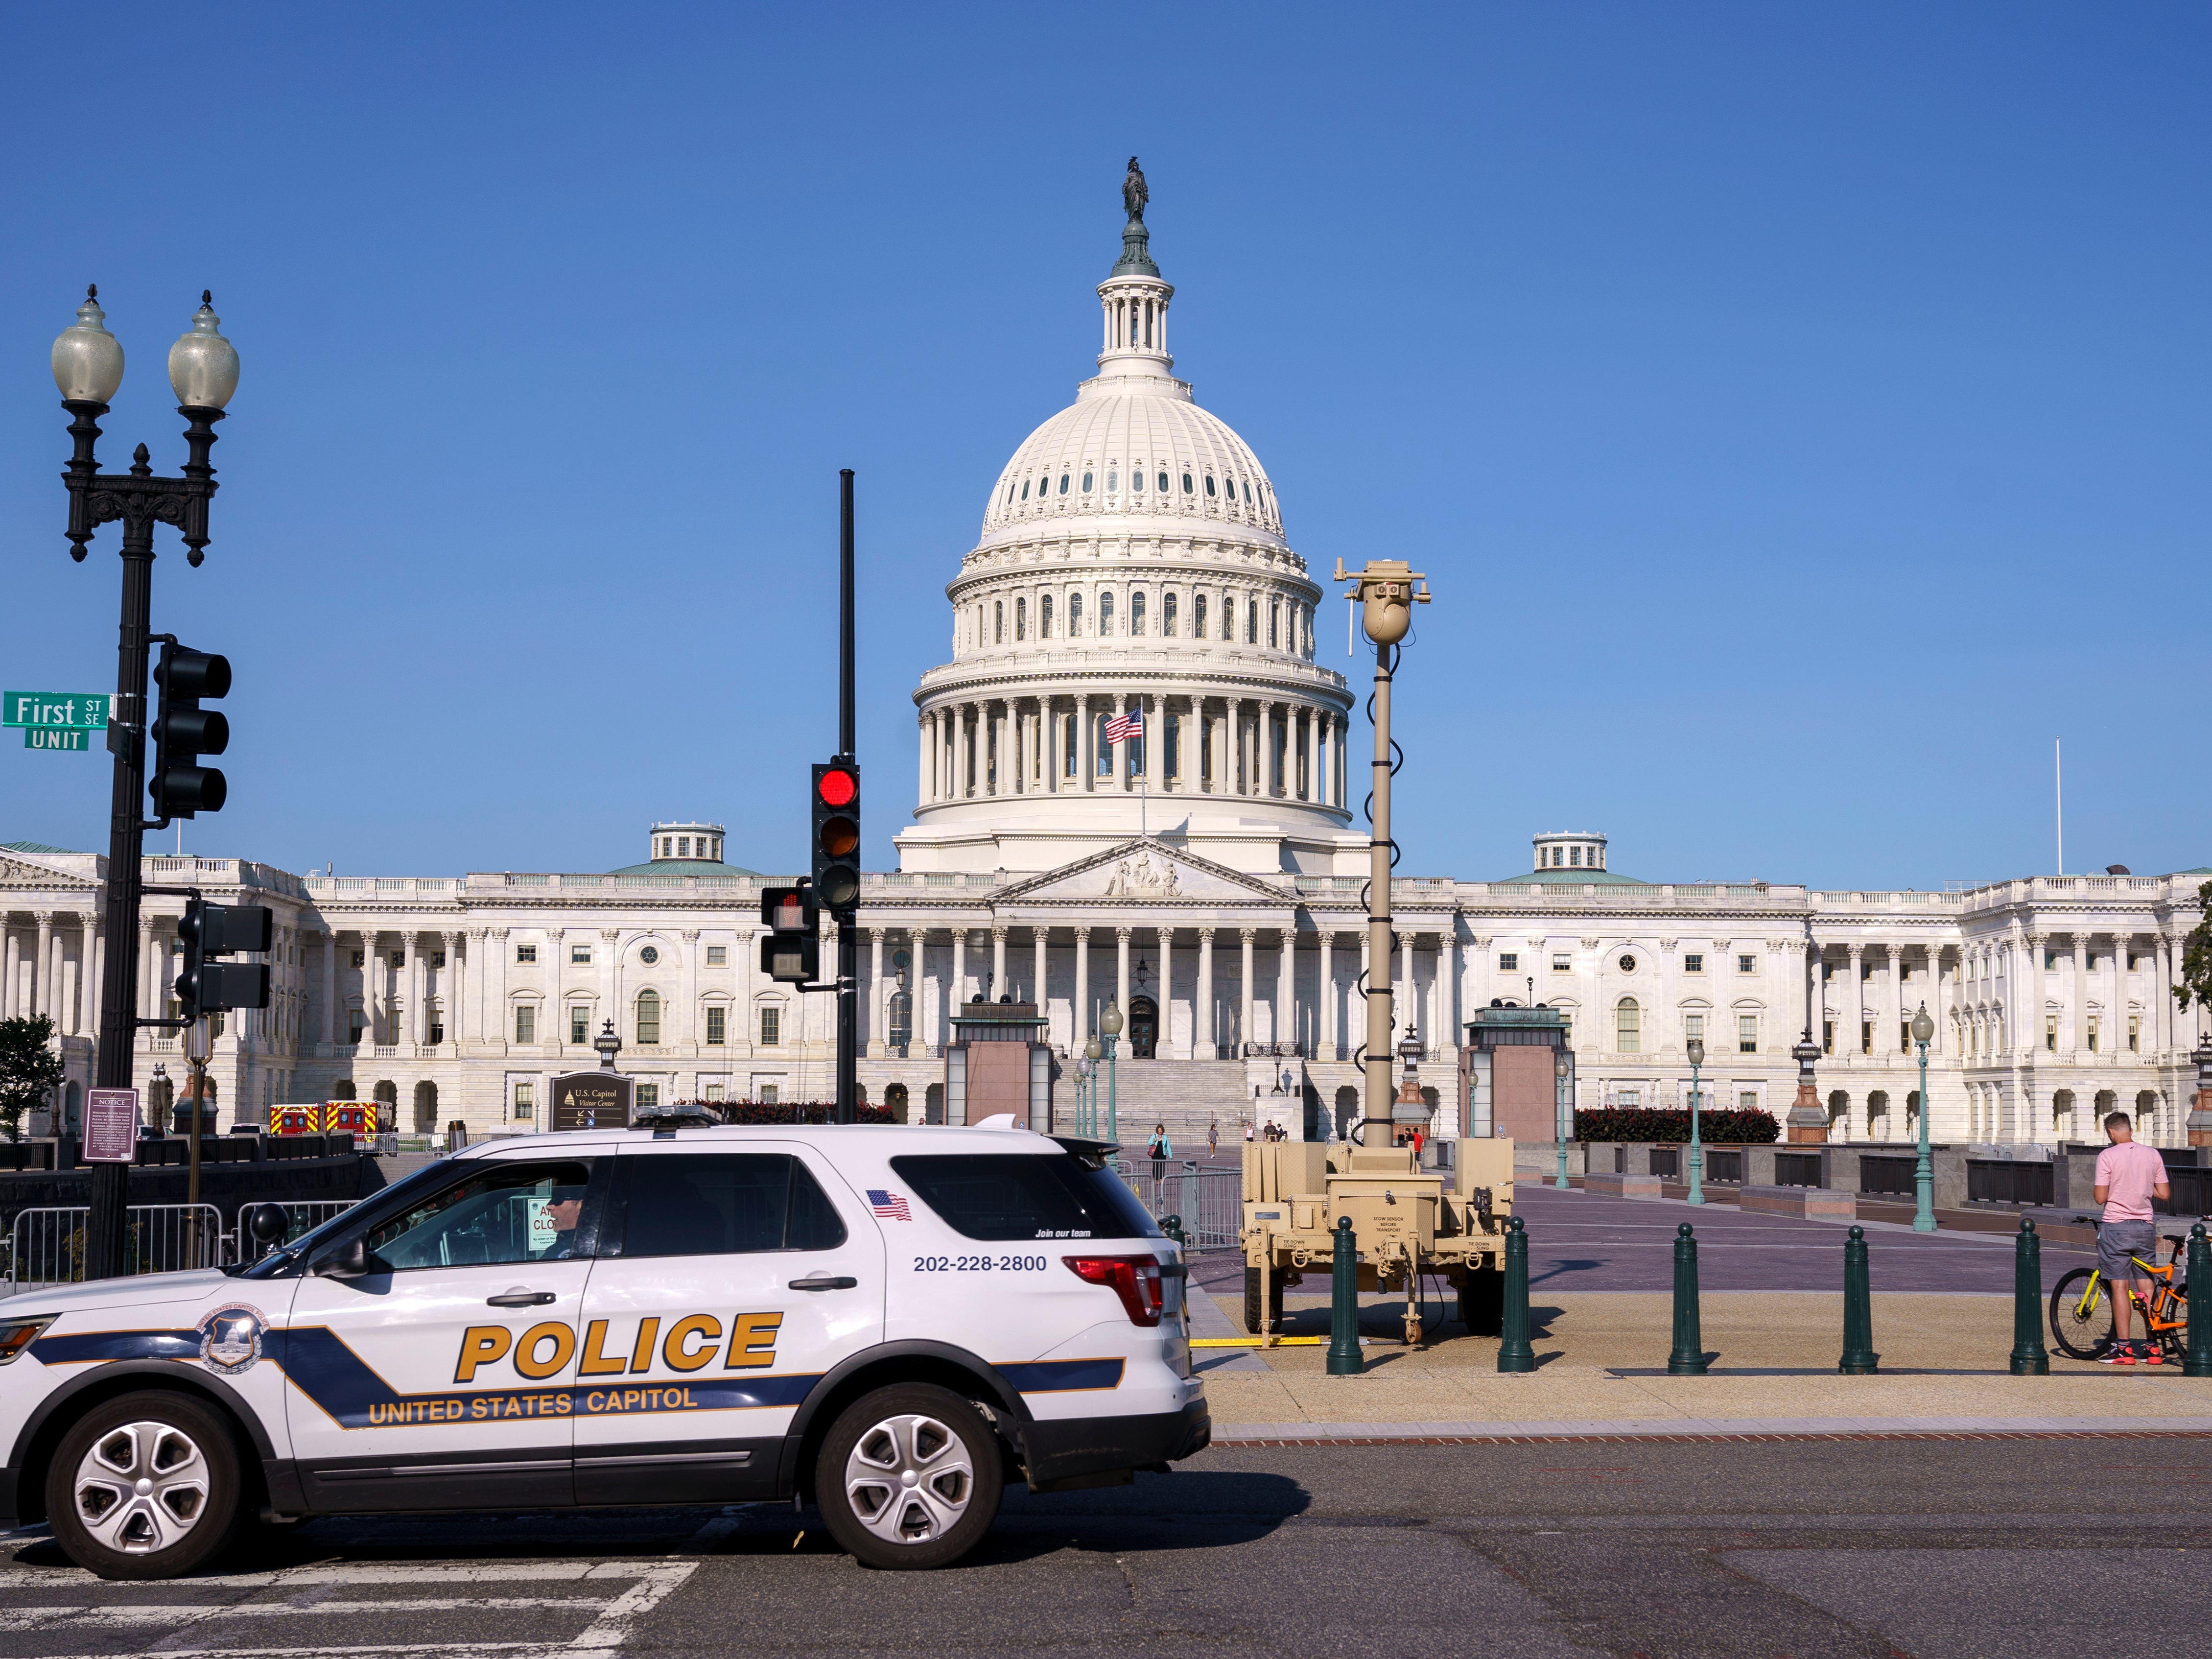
1274 1315
909 1477
145 1486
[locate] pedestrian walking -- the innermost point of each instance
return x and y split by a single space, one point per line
1247 1128
1159 1152
1213 1138
2129 1175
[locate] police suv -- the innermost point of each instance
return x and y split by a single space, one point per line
890 1323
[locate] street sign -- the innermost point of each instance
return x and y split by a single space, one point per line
84 711
53 738
111 1125
591 1100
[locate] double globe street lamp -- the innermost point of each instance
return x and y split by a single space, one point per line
1109 1023
87 369
1697 1142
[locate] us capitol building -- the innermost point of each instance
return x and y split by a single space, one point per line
1206 878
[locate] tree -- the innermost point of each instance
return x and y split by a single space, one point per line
30 1069
2197 956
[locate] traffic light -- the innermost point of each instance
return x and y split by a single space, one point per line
220 930
837 836
183 732
792 948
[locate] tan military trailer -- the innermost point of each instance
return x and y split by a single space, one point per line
1417 1230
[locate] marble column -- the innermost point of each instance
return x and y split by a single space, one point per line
1203 1035
149 1007
999 986
1286 986
1245 936
1121 761
1165 1044
1052 762
1122 971
875 1011
1081 1025
959 992
921 789
2078 1004
41 986
459 1027
1856 1044
1039 984
1325 1047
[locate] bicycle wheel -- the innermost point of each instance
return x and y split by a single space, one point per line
2079 1326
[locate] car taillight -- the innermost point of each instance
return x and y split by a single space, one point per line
1134 1278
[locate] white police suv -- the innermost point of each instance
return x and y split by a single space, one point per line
890 1323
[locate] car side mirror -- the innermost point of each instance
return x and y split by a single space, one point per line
350 1260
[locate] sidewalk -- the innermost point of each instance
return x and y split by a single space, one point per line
1601 1371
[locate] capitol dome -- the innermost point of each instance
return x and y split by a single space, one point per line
1133 639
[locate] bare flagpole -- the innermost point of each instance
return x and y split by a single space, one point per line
2059 798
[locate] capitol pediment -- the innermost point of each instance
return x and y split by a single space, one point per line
1144 872
21 873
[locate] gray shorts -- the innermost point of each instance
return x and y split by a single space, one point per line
2117 1240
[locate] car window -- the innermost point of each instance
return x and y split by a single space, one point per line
1010 1195
725 1204
518 1211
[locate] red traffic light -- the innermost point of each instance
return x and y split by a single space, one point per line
837 786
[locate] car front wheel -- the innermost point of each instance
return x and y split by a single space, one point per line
145 1486
909 1477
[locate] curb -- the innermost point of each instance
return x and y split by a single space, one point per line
1699 1428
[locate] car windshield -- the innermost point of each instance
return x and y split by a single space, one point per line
293 1251
1010 1195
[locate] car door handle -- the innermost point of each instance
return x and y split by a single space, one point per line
522 1298
825 1282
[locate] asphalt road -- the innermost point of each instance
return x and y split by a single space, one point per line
1944 1548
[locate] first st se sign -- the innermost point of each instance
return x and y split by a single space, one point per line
58 721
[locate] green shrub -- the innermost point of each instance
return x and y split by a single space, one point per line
1723 1126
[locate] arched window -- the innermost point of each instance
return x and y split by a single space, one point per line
1198 616
1210 490
1136 480
648 1018
1137 612
1044 617
1075 615
1086 483
1100 747
1628 1024
1186 483
1167 615
1164 483
1228 618
1248 492
1025 490
998 622
1021 619
1063 484
1113 482
1252 623
1105 614
1274 622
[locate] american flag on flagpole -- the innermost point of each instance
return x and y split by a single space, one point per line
1122 728
889 1205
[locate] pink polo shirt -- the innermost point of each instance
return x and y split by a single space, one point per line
2128 1172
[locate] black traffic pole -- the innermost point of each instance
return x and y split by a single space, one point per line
89 368
849 945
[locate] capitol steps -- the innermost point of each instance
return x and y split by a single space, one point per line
1186 1095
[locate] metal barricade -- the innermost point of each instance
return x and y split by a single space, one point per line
1210 1200
46 1246
298 1218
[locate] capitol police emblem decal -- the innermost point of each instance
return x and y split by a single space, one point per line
230 1338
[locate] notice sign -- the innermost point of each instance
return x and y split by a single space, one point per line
111 1125
591 1100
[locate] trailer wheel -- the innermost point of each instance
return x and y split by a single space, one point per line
1275 1320
1482 1299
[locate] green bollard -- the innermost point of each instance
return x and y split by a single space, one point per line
1514 1353
1344 1305
2029 1357
1688 1358
2199 1360
1859 1358
1172 1226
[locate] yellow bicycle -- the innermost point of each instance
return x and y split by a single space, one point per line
2081 1308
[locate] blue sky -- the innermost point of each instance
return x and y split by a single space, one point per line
1801 414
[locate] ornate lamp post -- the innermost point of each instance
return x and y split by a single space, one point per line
88 368
1111 1023
609 1046
1923 1171
1697 1140
1562 1068
1091 1051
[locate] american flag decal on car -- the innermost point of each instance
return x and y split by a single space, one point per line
889 1204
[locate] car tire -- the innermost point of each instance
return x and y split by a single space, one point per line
909 1477
1274 1315
146 1486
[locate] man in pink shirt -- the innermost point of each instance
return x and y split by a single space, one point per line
2129 1176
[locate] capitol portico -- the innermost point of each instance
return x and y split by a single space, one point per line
1205 877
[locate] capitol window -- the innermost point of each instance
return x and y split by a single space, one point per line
1694 963
1100 747
522 953
1746 1034
1025 490
1186 483
1044 616
1113 482
1252 623
1164 483
1086 483
1068 748
1509 963
1693 1028
998 622
718 956
1105 614
580 1022
1198 616
1136 481
717 1026
1209 484
1628 1024
1274 622
1167 615
1228 618
1021 619
1747 964
1137 612
648 1017
1075 615
1248 494
1063 484
525 1023
771 1027
580 954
